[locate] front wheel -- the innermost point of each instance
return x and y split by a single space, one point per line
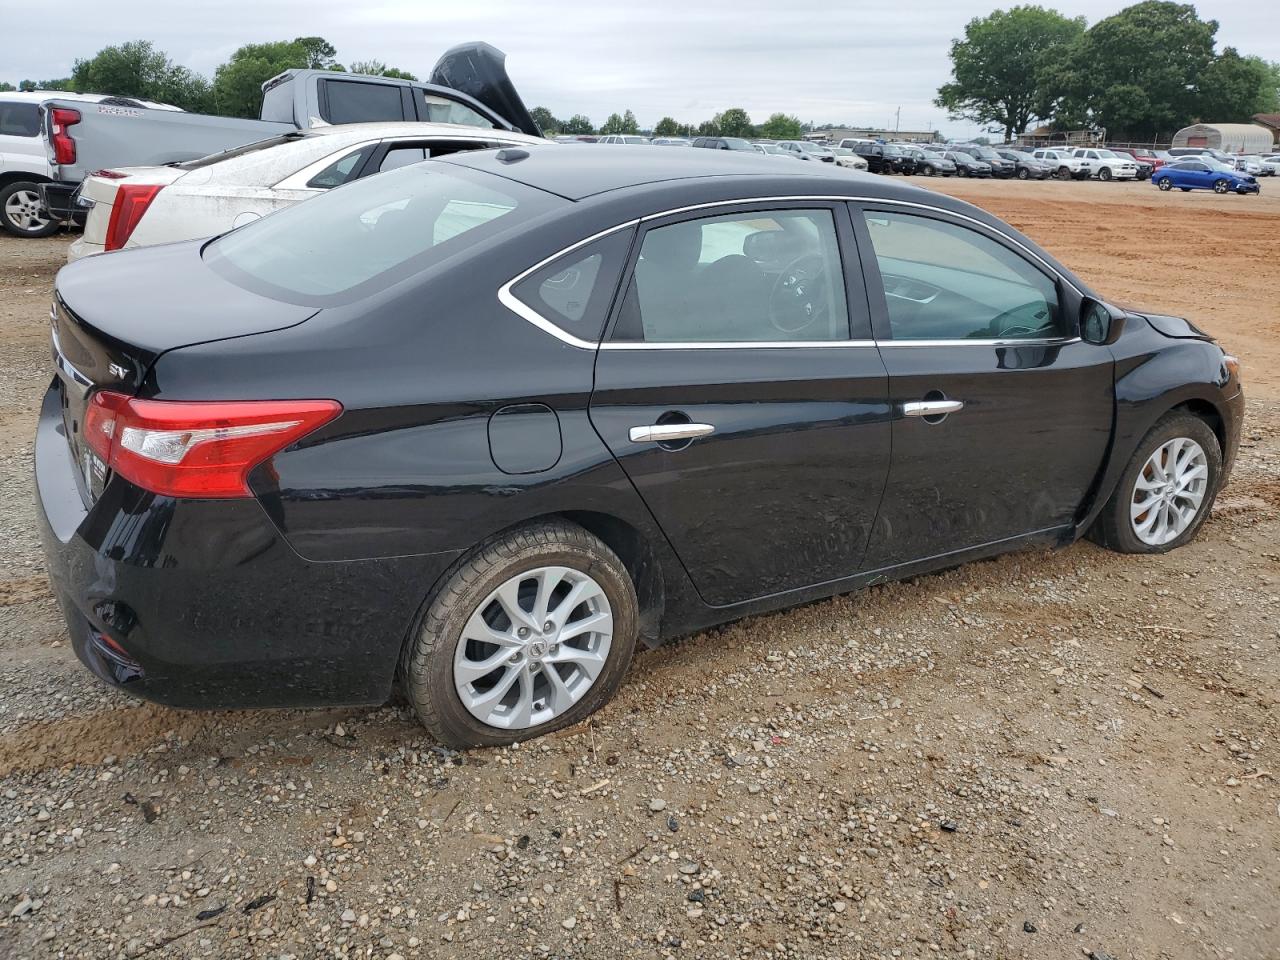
532 633
1164 183
1221 186
1104 173
21 212
1024 173
1167 490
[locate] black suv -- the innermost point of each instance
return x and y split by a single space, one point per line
878 157
1000 167
902 159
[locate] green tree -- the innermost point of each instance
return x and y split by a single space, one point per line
546 120
578 125
138 69
621 123
667 127
709 128
781 126
62 83
7 87
1137 74
734 122
1000 69
237 84
376 68
1233 88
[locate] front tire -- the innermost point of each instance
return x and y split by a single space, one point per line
1104 173
1164 183
21 213
1221 186
1024 173
531 633
1166 492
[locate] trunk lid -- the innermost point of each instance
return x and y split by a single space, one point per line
480 71
114 315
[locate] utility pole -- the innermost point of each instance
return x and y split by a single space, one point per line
897 120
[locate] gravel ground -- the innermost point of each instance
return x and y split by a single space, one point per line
1046 755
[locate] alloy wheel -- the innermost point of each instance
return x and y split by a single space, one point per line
1169 491
1220 186
533 647
23 210
1165 184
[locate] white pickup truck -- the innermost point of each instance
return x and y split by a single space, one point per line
469 85
1107 165
1067 165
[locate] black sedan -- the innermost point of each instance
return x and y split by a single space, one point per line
482 423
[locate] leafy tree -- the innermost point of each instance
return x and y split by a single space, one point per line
63 83
7 87
621 123
781 126
709 128
734 122
667 127
1233 88
138 69
1138 73
376 68
577 125
237 84
546 120
1000 68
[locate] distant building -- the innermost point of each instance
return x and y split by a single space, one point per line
1272 122
836 134
1227 137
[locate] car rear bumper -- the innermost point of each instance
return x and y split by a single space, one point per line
59 200
202 603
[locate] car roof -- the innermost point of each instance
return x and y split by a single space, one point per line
582 174
415 128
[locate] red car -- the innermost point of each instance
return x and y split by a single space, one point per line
1142 156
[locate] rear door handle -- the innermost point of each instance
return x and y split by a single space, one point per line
662 432
932 408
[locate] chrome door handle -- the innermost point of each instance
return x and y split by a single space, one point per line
661 432
931 408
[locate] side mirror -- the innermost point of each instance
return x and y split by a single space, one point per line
1100 323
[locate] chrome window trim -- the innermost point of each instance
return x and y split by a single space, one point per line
523 310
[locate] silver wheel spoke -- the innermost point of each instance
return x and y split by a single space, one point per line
1169 491
543 666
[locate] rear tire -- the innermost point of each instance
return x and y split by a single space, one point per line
21 213
440 661
1115 525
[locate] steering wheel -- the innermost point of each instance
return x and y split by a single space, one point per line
795 302
1012 323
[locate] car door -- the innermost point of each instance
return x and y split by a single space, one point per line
739 389
1002 414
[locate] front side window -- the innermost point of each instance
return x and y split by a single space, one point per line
947 282
356 101
373 233
438 109
743 277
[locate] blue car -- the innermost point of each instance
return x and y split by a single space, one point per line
1201 174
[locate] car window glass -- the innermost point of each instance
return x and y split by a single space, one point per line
19 120
341 170
438 109
353 101
575 291
946 282
746 277
398 157
372 233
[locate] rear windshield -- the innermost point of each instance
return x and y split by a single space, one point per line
238 151
367 235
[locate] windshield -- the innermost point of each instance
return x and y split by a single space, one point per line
239 151
370 234
1108 155
986 153
891 151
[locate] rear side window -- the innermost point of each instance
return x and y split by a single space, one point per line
398 157
373 233
19 120
353 101
341 170
574 291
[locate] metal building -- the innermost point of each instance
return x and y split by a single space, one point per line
1227 137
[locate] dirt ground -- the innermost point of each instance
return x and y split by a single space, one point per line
1063 754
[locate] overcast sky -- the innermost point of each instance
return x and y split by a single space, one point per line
855 63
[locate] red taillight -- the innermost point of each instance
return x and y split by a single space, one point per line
196 449
64 145
132 200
